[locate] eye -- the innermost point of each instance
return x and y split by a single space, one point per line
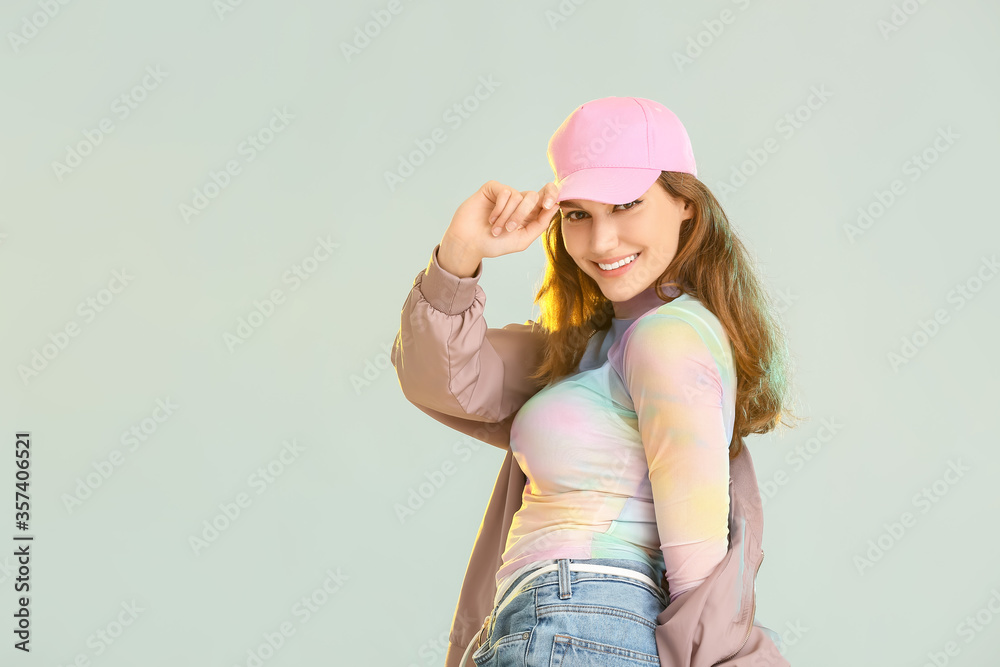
625 207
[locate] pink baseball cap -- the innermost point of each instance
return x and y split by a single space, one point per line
611 150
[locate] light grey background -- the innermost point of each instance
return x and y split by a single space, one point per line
317 370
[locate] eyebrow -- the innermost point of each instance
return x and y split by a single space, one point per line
573 203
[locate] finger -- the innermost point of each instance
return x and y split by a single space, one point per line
500 203
550 202
524 211
547 203
539 223
512 203
549 196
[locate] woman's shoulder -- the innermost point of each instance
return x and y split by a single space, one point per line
683 320
688 309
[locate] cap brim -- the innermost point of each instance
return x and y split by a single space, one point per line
607 185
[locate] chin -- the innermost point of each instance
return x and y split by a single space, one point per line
618 292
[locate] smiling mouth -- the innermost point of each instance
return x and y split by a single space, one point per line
620 263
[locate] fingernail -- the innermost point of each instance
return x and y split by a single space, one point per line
496 231
548 202
511 226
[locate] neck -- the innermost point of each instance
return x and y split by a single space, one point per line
642 302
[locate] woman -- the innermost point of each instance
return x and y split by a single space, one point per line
657 353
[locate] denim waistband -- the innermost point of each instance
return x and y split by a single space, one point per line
627 563
563 573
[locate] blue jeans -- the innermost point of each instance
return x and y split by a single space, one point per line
567 618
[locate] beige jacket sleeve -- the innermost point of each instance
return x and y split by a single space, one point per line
453 366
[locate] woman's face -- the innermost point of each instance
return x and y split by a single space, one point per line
599 234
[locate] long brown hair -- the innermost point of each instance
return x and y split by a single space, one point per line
711 265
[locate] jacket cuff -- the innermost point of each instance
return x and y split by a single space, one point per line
445 291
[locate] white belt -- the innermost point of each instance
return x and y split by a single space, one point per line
576 567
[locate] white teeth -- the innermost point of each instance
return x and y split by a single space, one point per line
623 262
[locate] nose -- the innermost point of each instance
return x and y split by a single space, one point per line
604 235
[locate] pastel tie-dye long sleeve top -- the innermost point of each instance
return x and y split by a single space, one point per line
629 456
